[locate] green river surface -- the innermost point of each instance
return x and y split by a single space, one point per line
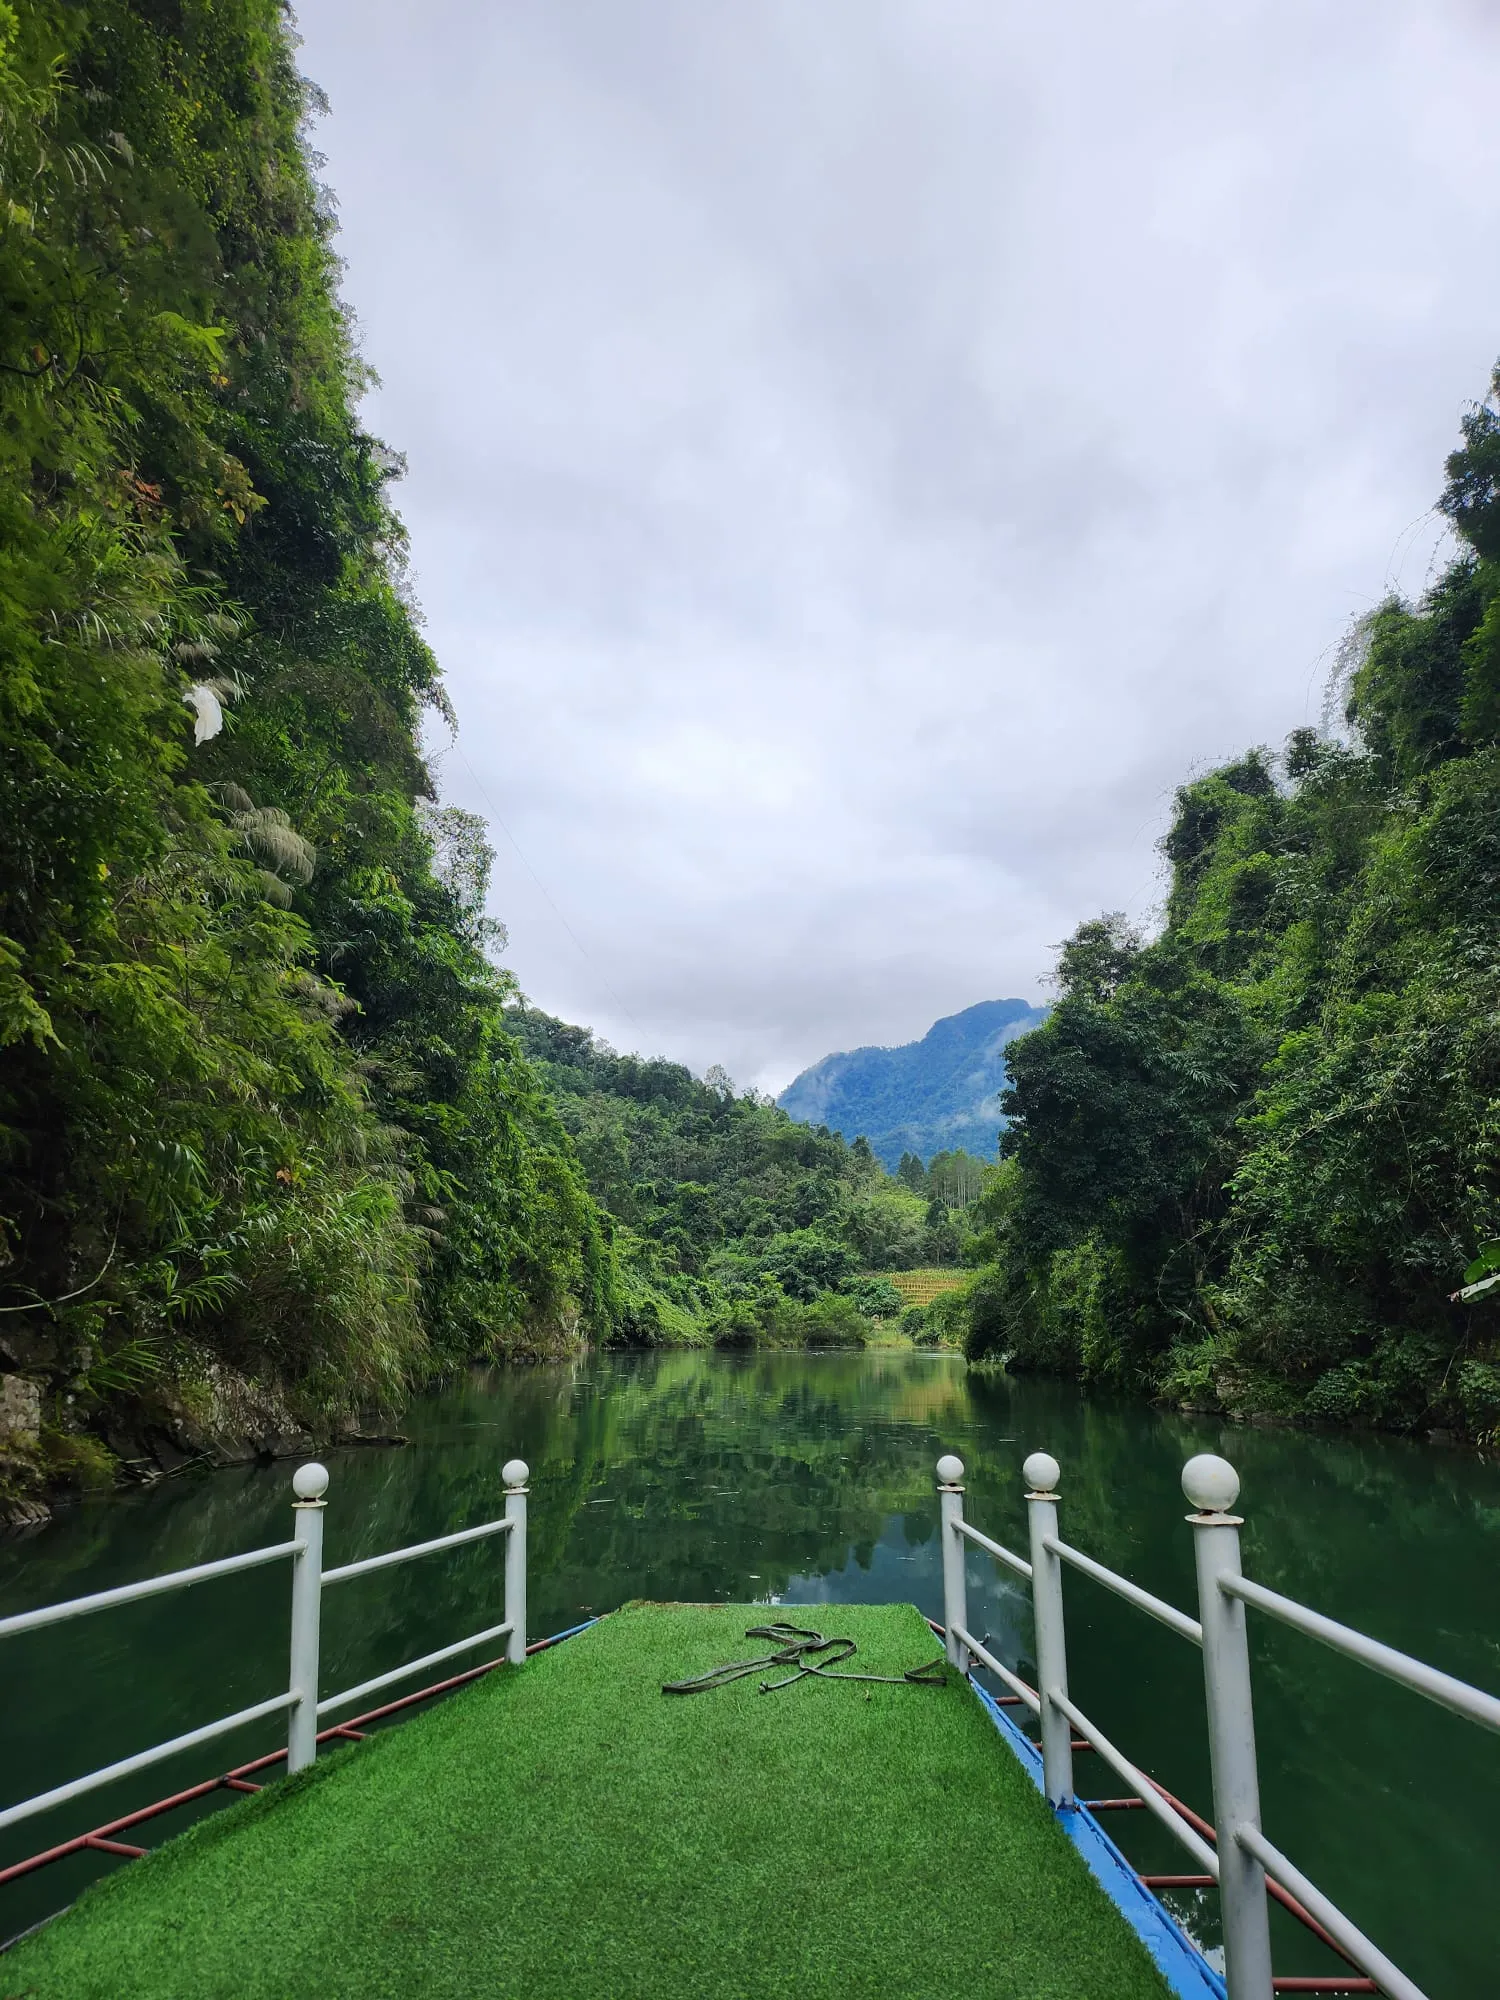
807 1480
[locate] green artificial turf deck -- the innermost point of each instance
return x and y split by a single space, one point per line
566 1831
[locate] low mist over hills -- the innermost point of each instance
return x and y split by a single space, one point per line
940 1093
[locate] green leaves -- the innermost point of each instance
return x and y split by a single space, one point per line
202 345
22 1017
1248 1153
252 1039
1483 1275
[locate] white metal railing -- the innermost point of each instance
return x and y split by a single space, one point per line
985 1658
128 1593
1244 1859
972 1534
1121 1765
1154 1607
309 1580
1437 1686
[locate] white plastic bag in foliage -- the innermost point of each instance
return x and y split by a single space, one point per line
208 714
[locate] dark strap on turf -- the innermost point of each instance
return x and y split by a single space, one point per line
809 1654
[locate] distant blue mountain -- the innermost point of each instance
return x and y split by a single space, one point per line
924 1097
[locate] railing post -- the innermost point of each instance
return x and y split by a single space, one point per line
309 1483
1212 1485
950 1472
1042 1472
515 1474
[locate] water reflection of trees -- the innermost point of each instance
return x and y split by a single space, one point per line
1362 1780
682 1475
694 1477
700 1476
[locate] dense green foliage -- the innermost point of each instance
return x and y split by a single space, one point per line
953 1177
263 1115
939 1094
1249 1162
732 1221
267 1107
258 1102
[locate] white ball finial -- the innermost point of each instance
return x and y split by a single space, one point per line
950 1469
310 1482
515 1472
1210 1483
1041 1472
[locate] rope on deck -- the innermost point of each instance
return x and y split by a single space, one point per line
795 1648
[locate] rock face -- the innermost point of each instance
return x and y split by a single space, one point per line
924 1097
219 1416
20 1436
20 1413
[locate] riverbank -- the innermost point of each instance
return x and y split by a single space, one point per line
213 1417
565 1831
211 1421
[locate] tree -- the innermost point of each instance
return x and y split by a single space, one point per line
1098 956
1249 1161
257 1104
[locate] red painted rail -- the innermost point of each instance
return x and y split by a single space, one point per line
102 1839
1354 1982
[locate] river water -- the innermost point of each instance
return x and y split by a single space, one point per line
796 1479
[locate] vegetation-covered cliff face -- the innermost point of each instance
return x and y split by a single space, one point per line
1248 1162
258 1106
275 1139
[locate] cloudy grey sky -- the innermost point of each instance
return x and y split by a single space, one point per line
864 453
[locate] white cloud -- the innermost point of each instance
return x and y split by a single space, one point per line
863 456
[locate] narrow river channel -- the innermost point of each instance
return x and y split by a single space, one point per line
808 1480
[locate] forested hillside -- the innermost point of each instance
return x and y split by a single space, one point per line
260 1119
939 1094
277 1139
1248 1162
731 1222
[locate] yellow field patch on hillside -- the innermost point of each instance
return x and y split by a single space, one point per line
920 1288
